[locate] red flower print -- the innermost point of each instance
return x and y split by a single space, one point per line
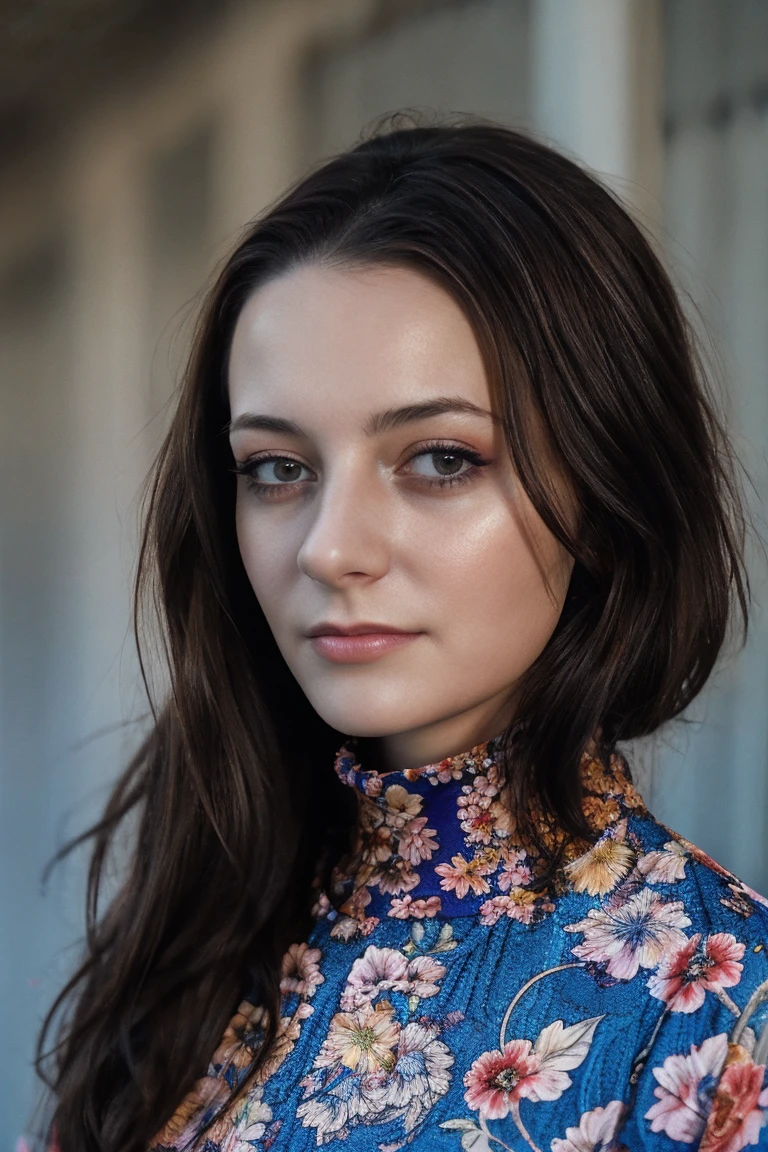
498 1079
683 978
737 1110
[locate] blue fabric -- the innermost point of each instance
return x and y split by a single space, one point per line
447 999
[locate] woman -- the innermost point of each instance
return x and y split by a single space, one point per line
444 513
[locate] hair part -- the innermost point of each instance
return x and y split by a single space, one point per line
585 346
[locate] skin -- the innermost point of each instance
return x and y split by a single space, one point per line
354 526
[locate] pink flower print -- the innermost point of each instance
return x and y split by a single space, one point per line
492 910
357 903
345 928
423 974
321 907
515 873
753 895
742 899
520 905
383 970
737 902
737 1115
488 785
401 805
476 817
426 908
403 908
503 823
445 771
683 978
377 970
300 970
664 866
685 1088
417 842
595 1133
635 934
463 876
394 877
379 844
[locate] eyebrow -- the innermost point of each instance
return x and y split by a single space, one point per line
380 422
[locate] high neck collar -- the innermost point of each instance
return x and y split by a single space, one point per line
439 840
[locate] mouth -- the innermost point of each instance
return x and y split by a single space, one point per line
364 628
357 643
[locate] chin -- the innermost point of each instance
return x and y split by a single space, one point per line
368 714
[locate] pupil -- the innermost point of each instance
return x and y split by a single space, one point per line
454 462
281 466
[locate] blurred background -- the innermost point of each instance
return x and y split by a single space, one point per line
137 137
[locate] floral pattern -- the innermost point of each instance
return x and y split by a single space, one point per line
453 995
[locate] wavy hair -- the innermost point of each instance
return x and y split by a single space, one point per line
232 795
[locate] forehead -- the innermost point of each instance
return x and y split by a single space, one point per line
330 338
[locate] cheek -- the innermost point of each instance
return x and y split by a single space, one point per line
502 589
260 552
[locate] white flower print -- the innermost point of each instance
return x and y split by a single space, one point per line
635 934
596 1131
664 865
685 1088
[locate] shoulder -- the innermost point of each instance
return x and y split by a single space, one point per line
701 1082
714 900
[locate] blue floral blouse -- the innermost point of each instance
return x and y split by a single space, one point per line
453 1004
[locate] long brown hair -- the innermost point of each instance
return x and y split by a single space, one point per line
581 331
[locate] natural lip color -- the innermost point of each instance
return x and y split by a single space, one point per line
364 627
360 649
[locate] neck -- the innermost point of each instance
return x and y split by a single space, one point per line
440 839
435 742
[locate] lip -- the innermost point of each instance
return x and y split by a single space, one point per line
362 627
348 646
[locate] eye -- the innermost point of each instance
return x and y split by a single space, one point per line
445 464
268 475
437 465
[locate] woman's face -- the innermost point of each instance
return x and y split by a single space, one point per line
376 494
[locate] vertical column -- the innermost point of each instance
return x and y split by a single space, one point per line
109 406
597 89
597 93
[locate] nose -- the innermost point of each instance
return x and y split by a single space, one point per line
348 539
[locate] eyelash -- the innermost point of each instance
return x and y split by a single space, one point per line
246 468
